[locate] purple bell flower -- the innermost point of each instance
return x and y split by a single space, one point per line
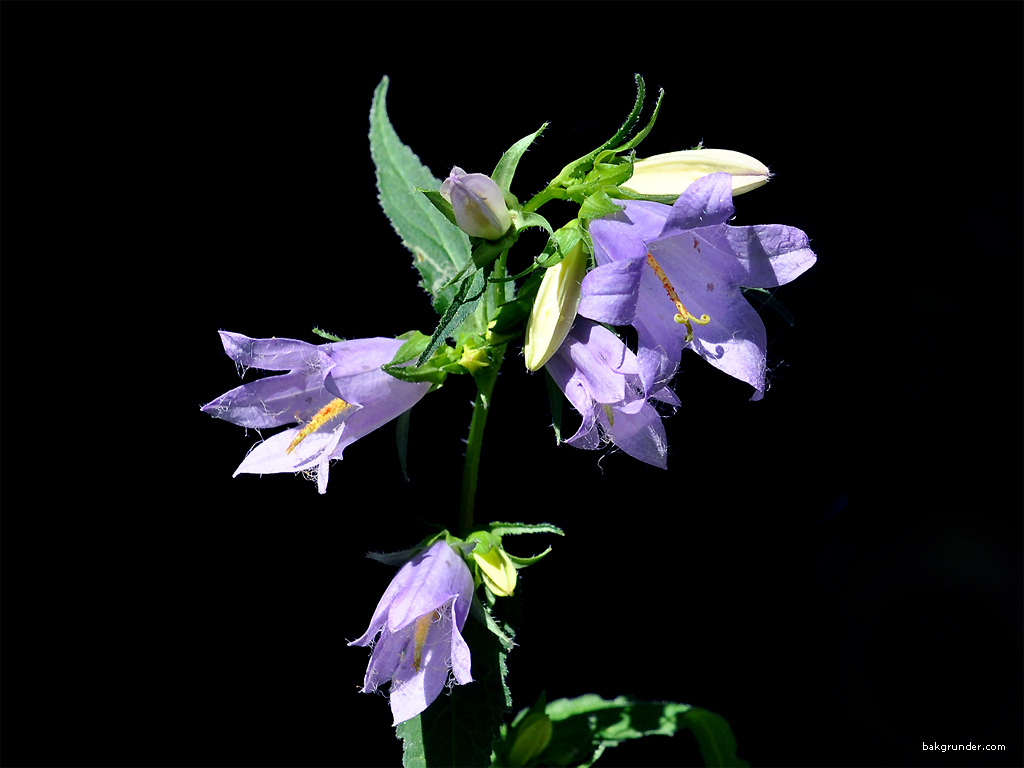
674 273
336 392
420 619
600 377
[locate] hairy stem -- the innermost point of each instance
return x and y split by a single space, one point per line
485 380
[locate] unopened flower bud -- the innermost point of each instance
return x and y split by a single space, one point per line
671 173
531 737
478 204
554 308
497 570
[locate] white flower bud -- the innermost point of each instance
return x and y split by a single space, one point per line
671 173
554 308
478 204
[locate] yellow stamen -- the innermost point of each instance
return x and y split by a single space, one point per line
332 410
683 317
419 636
609 413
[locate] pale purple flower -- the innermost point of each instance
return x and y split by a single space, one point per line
600 377
420 620
336 392
650 251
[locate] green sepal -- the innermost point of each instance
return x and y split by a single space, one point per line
609 171
403 556
438 201
506 167
435 369
557 400
525 220
499 529
325 335
577 169
599 203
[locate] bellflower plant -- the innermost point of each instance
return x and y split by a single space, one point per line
644 243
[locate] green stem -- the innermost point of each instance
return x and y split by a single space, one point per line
474 445
550 192
485 380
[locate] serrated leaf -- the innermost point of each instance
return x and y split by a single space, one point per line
462 305
510 529
438 248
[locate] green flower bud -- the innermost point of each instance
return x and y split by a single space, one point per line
554 308
671 173
478 204
531 737
497 570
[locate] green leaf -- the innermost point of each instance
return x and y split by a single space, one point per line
438 248
714 737
587 725
464 302
510 529
325 335
435 369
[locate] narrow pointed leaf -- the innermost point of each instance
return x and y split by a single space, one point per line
438 248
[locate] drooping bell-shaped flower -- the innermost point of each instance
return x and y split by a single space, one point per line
600 377
419 620
674 273
478 204
554 308
672 172
336 393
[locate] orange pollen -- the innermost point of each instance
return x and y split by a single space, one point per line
420 636
332 410
683 316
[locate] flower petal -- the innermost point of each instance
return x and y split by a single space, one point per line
771 254
431 579
268 354
641 435
272 401
706 202
608 293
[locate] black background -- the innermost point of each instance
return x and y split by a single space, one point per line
835 569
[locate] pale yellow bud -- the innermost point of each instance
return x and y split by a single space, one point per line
671 173
554 308
498 571
531 738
